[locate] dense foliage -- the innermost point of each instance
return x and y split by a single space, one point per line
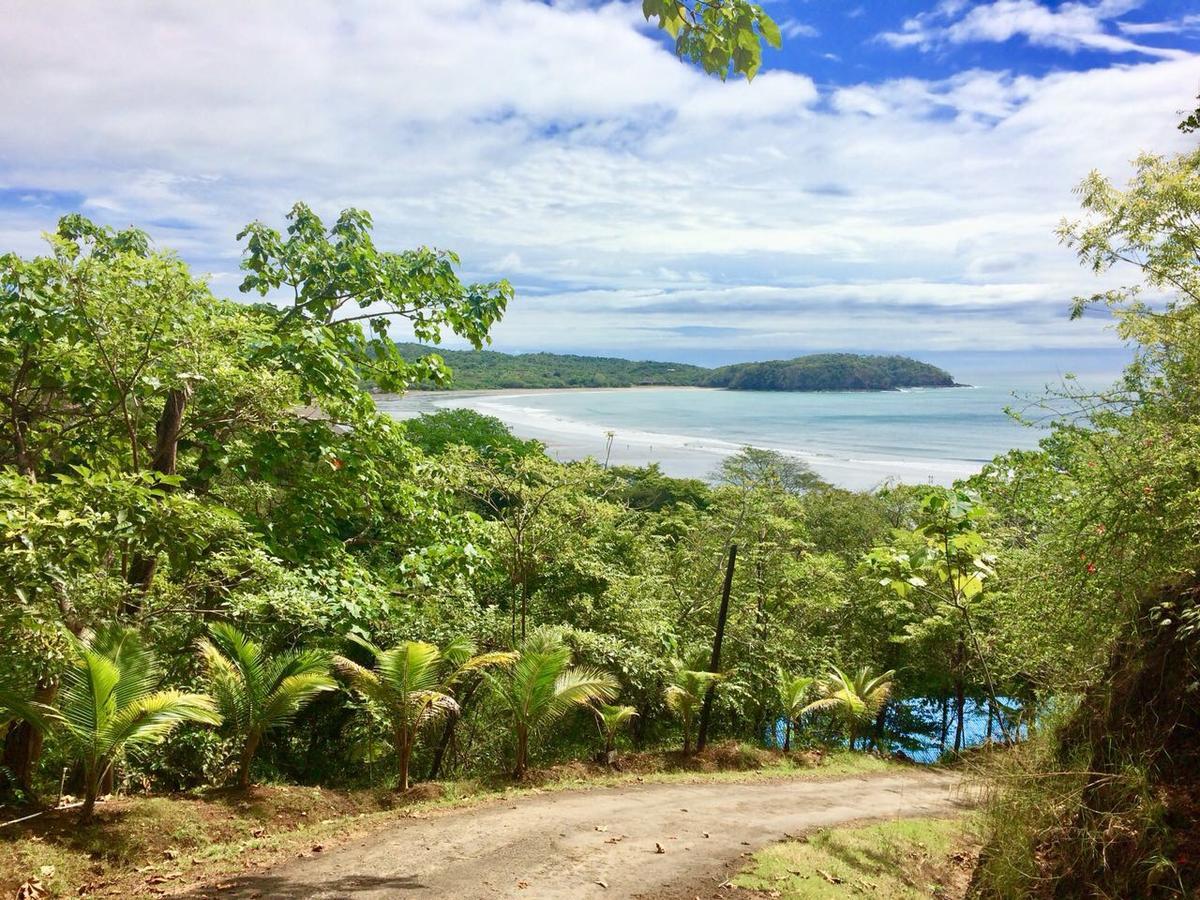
490 369
830 372
214 475
209 535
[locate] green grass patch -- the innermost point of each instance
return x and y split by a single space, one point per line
905 858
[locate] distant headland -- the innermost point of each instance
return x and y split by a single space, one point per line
493 370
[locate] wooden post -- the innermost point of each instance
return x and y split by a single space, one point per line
715 664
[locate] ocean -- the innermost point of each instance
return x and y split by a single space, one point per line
856 440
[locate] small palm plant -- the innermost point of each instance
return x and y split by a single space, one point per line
610 720
412 685
256 692
854 700
685 695
793 692
543 686
110 703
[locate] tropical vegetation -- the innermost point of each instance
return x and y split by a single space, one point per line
204 518
490 369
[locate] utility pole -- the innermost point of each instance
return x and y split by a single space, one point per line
715 664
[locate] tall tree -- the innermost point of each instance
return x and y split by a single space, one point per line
343 295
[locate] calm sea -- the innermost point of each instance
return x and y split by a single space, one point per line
857 440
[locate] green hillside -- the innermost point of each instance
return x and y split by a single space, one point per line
484 369
489 369
830 372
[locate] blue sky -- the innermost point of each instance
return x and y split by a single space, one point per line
891 181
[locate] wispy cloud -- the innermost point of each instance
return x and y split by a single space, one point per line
1067 26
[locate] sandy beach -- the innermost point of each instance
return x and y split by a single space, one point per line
679 454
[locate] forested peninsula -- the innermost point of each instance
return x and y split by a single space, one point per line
492 370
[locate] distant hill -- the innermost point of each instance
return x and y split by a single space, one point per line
830 372
490 370
484 369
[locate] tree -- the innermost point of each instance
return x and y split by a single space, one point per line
720 36
345 294
685 695
524 496
753 467
110 703
611 719
793 692
257 692
543 686
412 685
946 563
854 700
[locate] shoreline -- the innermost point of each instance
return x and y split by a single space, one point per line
678 449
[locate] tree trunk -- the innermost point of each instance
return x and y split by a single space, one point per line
443 744
522 753
247 757
166 448
945 722
960 702
89 801
403 754
787 737
23 747
715 663
524 605
687 738
880 722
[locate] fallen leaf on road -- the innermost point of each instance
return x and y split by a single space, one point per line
317 848
602 828
705 833
658 848
522 884
614 840
603 884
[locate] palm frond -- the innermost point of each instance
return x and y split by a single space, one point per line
290 695
613 717
153 717
363 680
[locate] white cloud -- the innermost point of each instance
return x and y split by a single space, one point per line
1189 24
794 28
1068 26
564 147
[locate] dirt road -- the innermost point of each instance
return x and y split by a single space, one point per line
594 843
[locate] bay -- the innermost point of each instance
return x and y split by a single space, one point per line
856 440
